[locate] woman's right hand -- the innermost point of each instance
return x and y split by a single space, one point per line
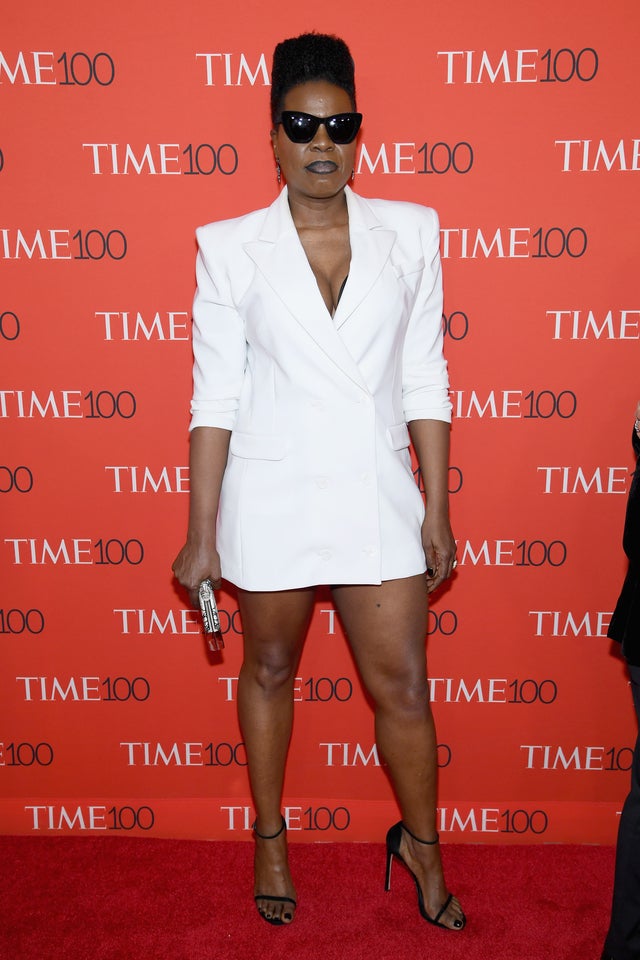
197 562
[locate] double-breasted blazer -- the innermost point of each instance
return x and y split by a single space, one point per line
318 486
625 622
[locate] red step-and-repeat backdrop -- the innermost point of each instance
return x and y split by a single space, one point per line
123 128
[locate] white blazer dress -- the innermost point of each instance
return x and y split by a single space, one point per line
318 487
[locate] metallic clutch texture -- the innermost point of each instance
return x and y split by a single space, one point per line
210 618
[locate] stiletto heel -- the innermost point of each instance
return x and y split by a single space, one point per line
387 883
394 836
275 921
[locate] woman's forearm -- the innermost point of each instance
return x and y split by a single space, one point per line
431 443
430 440
209 447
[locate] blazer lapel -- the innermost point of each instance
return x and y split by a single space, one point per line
371 245
281 259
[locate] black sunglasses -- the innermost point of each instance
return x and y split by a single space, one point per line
302 127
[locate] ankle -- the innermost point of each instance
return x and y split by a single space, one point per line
424 843
270 835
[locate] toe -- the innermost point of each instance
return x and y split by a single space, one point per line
275 911
453 917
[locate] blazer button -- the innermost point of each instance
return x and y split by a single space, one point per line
322 483
324 554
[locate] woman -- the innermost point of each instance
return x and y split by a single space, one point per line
623 938
317 338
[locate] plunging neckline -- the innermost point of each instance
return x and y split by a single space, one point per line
340 291
316 268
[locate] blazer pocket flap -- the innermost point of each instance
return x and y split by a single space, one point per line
398 436
253 446
406 269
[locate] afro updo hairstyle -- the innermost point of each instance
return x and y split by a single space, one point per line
311 56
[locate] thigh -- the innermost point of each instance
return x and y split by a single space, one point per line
274 624
634 673
386 626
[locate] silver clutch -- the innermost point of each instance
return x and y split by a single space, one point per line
210 618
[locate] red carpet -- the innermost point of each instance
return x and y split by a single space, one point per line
119 899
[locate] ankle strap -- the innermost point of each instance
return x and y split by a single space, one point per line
427 843
283 826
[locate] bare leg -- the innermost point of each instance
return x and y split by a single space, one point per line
274 627
386 626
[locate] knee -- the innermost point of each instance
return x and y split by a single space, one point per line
402 693
271 671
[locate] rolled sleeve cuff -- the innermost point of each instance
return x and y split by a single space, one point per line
213 413
428 405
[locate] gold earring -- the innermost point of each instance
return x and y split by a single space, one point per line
278 173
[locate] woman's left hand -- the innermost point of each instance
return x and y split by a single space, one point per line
439 550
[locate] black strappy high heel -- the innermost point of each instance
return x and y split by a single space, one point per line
276 921
393 850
